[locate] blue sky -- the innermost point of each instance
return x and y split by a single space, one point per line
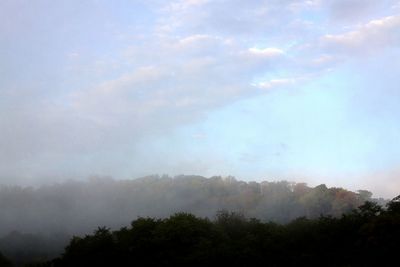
298 90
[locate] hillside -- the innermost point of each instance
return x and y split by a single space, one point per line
38 222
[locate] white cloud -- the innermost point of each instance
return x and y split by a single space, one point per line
194 39
187 77
372 36
266 52
273 83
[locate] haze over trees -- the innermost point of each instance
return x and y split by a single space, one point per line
36 223
76 207
367 236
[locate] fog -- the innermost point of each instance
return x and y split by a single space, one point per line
75 207
37 223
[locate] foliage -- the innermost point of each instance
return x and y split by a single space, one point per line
36 223
77 207
367 236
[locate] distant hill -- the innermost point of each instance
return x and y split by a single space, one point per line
36 223
76 207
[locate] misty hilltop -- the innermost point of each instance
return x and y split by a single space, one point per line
75 207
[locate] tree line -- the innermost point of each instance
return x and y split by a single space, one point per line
36 223
78 206
367 236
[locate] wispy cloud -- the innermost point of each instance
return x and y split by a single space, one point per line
370 37
266 52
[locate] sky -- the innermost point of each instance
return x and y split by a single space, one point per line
305 91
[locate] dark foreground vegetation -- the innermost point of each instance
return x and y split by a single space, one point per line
367 236
4 262
37 223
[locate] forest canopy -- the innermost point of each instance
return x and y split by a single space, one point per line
37 223
77 206
367 236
